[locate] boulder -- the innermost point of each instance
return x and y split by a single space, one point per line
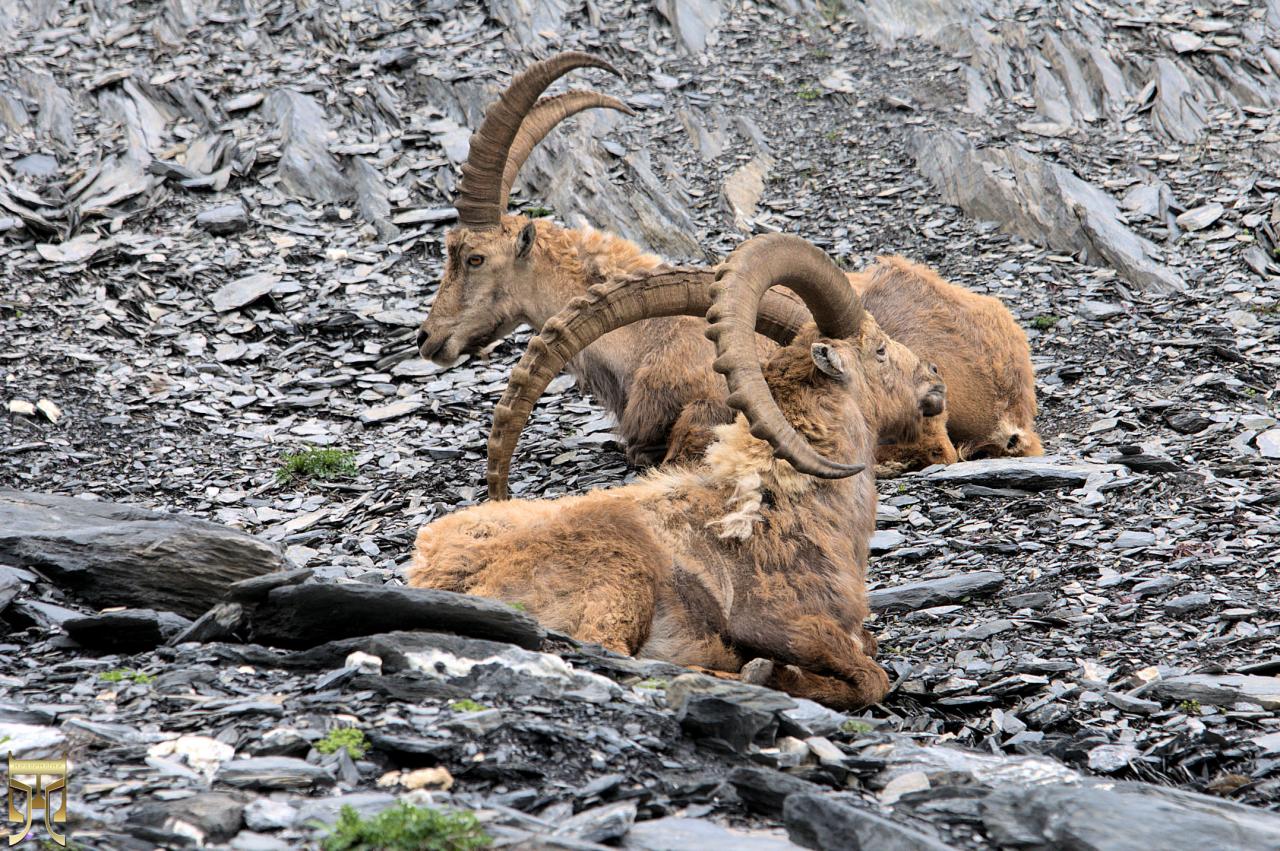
298 616
109 554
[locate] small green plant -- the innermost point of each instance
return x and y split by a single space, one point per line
853 725
808 93
821 53
321 464
406 828
519 607
1045 321
351 738
119 675
1190 707
537 212
50 845
653 682
832 135
467 705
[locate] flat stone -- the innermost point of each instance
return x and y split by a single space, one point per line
1033 474
224 220
391 411
272 772
216 815
1268 443
110 554
729 713
885 540
1128 540
1221 689
307 615
36 165
1188 603
765 791
269 814
326 810
243 291
1199 218
600 824
1099 310
1187 422
1133 705
1123 817
687 834
815 821
128 631
935 592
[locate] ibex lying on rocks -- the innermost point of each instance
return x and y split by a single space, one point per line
502 271
759 550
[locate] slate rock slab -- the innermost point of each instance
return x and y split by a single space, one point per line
688 834
815 821
765 791
1221 689
218 815
224 220
935 592
1124 817
1033 474
119 555
730 714
128 631
301 616
272 772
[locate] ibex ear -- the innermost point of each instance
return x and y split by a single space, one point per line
828 361
524 242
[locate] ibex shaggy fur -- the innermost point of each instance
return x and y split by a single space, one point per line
502 271
758 551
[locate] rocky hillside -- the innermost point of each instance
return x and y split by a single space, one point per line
221 220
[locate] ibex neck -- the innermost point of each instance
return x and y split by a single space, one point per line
575 260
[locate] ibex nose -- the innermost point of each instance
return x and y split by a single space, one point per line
420 339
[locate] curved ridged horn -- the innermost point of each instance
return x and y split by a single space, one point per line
541 120
605 308
481 186
741 282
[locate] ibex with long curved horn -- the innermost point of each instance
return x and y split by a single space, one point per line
502 271
758 551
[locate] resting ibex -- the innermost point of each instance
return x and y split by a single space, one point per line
759 550
503 270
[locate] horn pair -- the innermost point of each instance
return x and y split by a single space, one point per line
513 126
735 299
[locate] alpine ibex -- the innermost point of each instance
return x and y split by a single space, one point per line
758 550
502 271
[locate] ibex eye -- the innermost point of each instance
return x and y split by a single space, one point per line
882 351
475 261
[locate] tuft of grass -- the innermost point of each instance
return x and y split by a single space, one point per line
653 682
119 675
321 464
832 136
1045 321
808 93
538 212
518 606
406 828
467 705
853 725
1190 707
351 738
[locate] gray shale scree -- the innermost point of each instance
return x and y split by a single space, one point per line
167 403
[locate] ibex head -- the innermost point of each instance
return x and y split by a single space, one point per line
489 254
